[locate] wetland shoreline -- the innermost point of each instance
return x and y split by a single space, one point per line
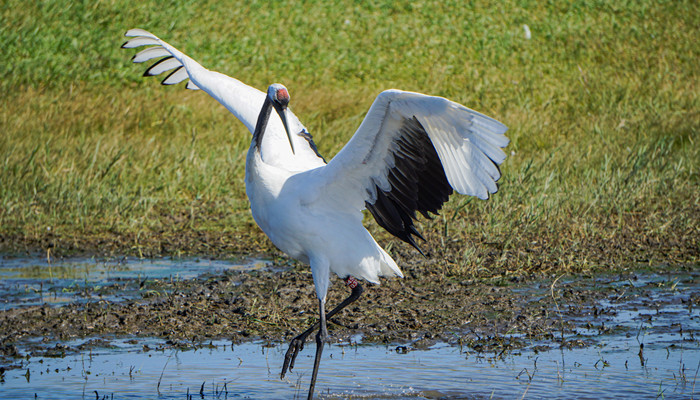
428 306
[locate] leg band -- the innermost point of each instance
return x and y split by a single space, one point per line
351 282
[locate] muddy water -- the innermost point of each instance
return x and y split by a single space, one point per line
631 338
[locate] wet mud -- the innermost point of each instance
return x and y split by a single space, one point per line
426 307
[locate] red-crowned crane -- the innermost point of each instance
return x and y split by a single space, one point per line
408 155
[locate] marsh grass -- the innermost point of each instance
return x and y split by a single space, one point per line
602 105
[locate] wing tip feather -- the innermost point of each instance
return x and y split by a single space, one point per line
136 32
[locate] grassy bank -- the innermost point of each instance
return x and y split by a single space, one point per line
602 105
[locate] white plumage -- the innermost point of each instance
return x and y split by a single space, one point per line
407 156
243 101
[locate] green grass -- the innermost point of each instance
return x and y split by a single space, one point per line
602 105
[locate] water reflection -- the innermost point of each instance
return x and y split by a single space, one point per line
147 368
33 281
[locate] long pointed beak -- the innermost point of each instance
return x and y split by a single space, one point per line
282 112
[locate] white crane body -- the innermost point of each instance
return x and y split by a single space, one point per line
298 222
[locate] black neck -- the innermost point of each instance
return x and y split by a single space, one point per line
261 125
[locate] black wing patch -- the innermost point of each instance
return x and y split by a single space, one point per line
418 183
306 135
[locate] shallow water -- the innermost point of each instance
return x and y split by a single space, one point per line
31 281
612 370
653 351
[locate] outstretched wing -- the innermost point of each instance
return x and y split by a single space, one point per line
241 100
408 155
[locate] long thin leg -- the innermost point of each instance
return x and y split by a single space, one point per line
321 338
297 344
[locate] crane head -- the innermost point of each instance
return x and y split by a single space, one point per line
278 95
